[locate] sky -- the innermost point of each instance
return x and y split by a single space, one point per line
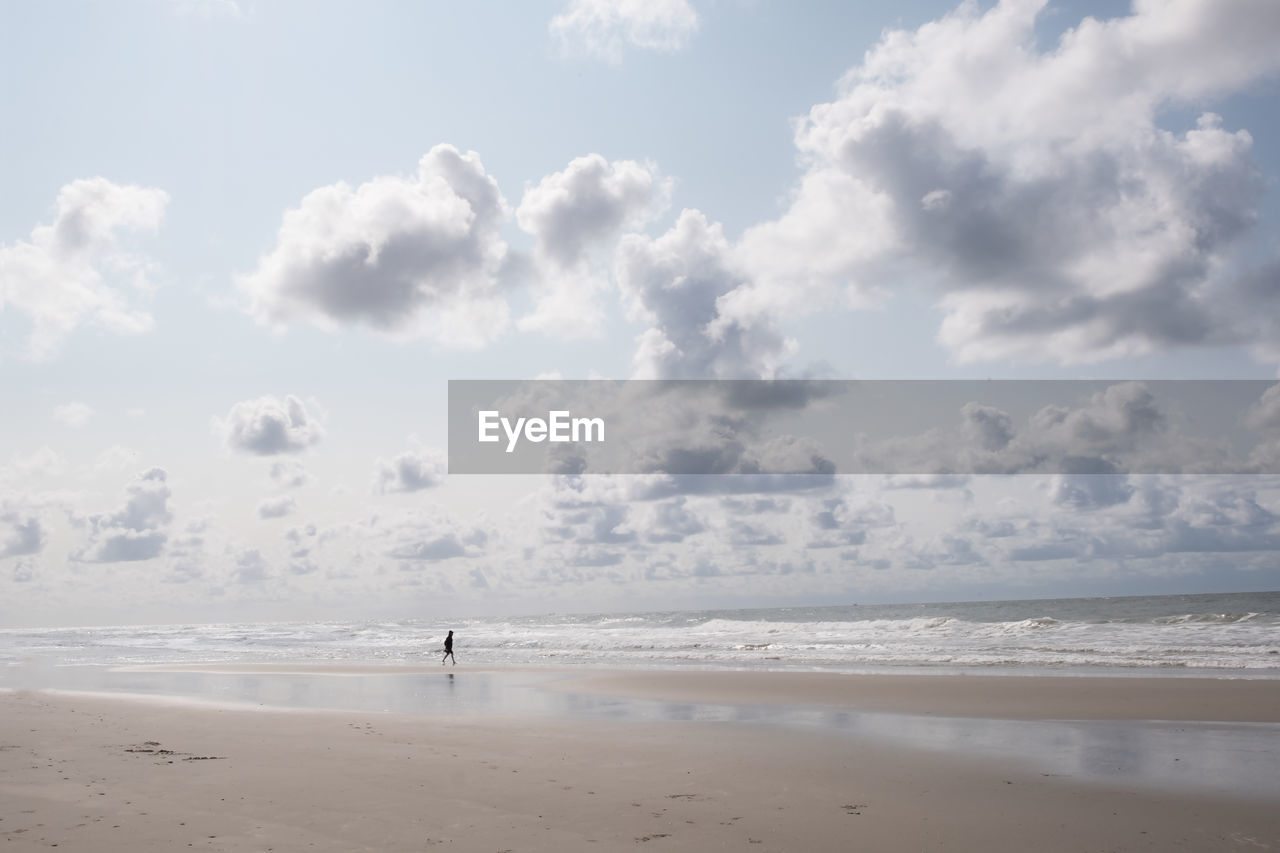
245 244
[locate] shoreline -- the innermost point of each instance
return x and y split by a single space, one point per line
124 774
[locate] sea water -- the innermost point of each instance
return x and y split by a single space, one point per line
1191 634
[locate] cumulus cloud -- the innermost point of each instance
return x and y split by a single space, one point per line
289 474
1090 491
136 531
71 273
428 538
603 29
277 507
570 213
587 203
408 257
1036 187
674 283
269 425
20 535
411 471
669 521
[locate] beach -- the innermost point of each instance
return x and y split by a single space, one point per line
87 771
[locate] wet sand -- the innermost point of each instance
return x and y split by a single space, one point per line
988 696
117 774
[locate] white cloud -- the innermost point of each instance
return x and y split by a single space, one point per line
289 474
675 283
427 537
116 457
572 212
136 531
277 507
1035 187
408 257
587 203
603 29
269 425
73 415
68 274
44 462
411 471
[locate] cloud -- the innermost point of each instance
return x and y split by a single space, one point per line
115 457
44 462
408 257
70 273
430 538
1035 188
277 507
570 213
250 567
411 471
603 29
269 425
1264 414
674 283
289 474
1090 491
669 521
1122 427
136 531
20 535
186 553
73 415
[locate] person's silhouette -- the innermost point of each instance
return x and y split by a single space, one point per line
448 650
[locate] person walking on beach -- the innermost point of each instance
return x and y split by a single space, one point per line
448 650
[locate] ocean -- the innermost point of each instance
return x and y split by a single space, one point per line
1193 634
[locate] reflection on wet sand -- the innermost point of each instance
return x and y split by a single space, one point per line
1217 757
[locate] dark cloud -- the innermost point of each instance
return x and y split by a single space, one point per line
1090 491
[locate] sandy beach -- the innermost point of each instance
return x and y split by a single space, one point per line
87 772
98 773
